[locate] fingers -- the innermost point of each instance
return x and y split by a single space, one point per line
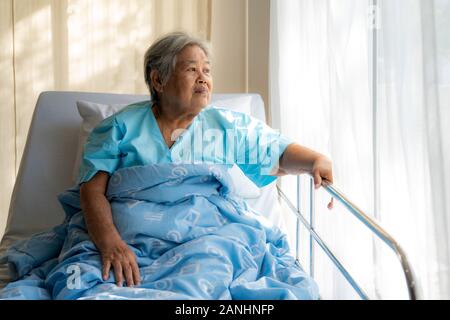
125 269
317 179
322 171
118 272
132 274
136 273
128 274
323 174
331 204
329 177
106 268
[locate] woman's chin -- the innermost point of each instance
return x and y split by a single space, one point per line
201 101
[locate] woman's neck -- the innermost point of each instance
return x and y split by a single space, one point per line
170 118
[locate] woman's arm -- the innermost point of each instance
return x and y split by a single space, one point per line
297 159
114 251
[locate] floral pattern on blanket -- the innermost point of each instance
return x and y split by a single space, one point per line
192 237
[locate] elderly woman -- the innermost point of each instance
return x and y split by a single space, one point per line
178 74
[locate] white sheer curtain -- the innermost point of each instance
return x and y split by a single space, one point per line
414 135
389 146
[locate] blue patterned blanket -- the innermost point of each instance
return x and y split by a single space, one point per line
192 237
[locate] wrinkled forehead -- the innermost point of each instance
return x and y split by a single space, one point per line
191 61
192 55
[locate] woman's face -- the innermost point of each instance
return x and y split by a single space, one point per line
190 85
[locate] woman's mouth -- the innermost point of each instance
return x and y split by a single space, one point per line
201 90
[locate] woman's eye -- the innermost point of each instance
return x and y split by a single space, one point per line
191 69
206 71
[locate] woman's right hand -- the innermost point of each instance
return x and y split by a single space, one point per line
114 251
117 255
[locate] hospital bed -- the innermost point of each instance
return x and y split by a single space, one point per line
48 160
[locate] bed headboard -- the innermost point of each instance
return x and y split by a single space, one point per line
50 151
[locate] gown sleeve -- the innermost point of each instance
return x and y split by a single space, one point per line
259 148
101 151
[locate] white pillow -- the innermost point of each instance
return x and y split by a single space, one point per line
244 187
93 113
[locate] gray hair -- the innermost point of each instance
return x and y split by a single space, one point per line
162 56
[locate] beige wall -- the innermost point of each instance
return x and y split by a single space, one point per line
228 43
258 49
7 112
240 41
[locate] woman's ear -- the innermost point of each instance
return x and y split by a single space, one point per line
156 80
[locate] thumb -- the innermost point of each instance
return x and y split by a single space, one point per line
317 179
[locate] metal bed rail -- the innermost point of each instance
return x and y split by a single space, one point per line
360 215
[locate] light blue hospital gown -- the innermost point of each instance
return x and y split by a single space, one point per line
216 135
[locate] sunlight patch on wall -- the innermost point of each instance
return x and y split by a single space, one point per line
33 63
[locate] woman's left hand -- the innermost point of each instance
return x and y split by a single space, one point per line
323 173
